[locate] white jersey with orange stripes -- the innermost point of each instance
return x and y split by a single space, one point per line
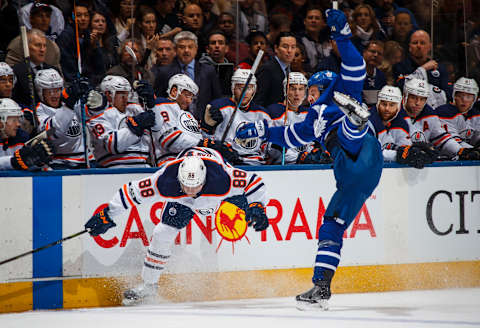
67 138
174 130
115 145
222 181
252 152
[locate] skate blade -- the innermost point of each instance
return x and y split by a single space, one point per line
307 306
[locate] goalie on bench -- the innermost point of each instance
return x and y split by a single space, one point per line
198 179
338 120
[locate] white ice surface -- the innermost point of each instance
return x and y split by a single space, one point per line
432 308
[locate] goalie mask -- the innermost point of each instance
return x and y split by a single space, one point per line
466 85
295 78
6 70
192 174
114 83
181 82
47 79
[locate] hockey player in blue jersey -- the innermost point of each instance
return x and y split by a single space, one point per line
338 120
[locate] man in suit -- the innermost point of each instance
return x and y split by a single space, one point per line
271 74
204 75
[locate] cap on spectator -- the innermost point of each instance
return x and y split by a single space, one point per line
253 34
38 7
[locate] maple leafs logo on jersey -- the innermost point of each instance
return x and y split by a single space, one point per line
346 30
320 123
250 143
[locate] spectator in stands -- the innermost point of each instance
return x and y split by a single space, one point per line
375 79
331 62
226 23
300 60
384 11
37 48
210 20
315 38
216 50
45 17
365 27
419 63
278 23
127 67
251 19
271 74
193 21
404 25
145 29
7 80
393 54
257 41
124 18
102 52
203 75
67 43
8 25
165 52
168 22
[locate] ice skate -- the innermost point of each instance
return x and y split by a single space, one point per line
356 112
315 298
140 294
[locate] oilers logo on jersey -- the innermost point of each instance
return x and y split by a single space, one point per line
74 129
251 143
189 123
419 136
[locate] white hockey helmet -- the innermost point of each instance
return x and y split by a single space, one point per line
294 78
390 93
47 79
192 172
416 87
114 83
6 70
182 82
8 108
240 76
466 85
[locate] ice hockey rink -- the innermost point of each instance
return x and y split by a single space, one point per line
430 308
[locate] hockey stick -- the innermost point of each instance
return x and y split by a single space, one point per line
249 78
43 247
41 136
286 111
82 105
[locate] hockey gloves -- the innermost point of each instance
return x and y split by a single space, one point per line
96 101
316 156
99 223
336 20
211 119
228 153
31 158
417 155
250 131
145 92
255 215
468 154
75 91
137 124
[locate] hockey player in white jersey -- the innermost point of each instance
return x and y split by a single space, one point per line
197 182
176 128
63 117
119 131
13 152
423 122
457 118
218 113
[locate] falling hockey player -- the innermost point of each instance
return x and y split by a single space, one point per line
339 121
198 179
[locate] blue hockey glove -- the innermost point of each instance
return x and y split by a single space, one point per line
96 101
137 124
145 92
100 223
336 20
250 131
255 214
79 88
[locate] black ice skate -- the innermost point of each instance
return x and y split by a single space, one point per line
315 298
140 294
356 112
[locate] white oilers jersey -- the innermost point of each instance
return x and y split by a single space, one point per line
473 121
291 154
114 145
222 181
454 123
8 148
426 127
437 97
67 138
252 152
174 130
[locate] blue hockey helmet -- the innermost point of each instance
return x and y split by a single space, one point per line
322 79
